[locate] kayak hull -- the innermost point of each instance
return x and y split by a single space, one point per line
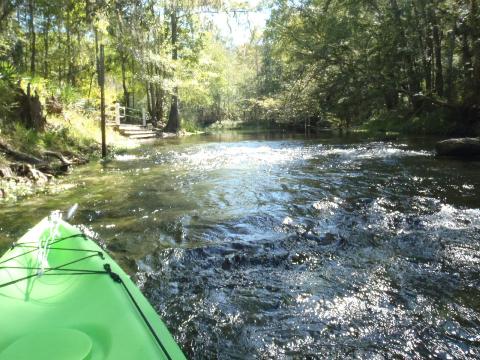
83 306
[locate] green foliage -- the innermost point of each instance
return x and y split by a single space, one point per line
26 140
7 100
434 122
190 126
214 88
59 136
68 94
155 52
7 71
387 63
347 60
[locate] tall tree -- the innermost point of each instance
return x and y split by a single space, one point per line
31 28
173 123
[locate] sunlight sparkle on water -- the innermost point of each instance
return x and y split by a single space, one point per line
244 157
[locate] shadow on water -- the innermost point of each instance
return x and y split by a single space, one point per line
276 246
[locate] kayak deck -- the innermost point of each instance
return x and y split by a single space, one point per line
84 306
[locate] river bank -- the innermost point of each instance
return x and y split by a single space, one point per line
29 166
31 161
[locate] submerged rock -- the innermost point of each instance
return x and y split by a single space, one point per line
462 147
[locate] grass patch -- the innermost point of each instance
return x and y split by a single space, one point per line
74 132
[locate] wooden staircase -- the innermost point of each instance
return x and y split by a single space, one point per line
138 132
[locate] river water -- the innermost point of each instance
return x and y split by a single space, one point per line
274 246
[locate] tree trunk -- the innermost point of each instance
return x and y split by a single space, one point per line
96 46
467 63
449 89
476 71
437 50
131 94
124 79
69 50
408 59
427 51
31 25
153 104
46 45
160 94
391 97
438 56
61 62
149 106
475 31
173 123
6 8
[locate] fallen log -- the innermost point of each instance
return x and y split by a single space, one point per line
20 156
43 165
57 155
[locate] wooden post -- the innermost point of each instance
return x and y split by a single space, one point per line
101 82
117 113
144 118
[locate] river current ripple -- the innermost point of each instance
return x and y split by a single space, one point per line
262 249
312 250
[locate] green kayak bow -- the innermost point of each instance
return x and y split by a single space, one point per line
62 297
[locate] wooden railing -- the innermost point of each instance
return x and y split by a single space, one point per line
117 114
125 114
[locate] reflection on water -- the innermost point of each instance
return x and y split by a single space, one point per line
271 247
